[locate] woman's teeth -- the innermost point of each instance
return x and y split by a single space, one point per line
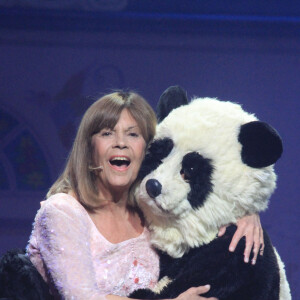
119 161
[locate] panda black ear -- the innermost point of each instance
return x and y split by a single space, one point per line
262 145
171 98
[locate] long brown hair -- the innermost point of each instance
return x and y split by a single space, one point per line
104 113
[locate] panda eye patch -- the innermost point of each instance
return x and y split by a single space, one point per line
193 165
158 150
186 174
197 171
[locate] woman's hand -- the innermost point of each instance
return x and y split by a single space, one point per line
250 227
194 293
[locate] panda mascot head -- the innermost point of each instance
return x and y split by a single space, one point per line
209 164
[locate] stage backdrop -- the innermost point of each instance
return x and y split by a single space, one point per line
50 74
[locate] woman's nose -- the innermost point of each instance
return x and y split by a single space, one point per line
120 141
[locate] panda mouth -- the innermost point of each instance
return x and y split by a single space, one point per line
160 207
120 162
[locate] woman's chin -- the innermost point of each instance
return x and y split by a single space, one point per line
120 185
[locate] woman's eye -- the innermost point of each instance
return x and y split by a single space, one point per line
133 134
106 133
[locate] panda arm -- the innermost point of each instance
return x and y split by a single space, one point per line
233 279
209 264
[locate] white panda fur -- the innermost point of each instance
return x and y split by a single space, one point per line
209 127
212 120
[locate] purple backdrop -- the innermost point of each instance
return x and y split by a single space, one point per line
46 76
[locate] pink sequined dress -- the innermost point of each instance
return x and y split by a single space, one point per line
78 262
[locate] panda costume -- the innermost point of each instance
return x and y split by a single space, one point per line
209 164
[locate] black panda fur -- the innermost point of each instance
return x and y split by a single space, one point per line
19 279
230 278
190 255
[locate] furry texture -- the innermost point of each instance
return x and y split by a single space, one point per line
157 151
197 170
210 128
259 147
220 168
172 98
19 279
226 271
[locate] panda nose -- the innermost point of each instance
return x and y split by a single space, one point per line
153 188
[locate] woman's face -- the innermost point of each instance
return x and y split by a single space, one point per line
119 152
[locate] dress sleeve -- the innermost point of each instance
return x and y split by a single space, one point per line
64 242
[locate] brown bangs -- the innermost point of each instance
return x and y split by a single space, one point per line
142 112
105 113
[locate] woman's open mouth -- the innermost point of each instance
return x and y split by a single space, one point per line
120 163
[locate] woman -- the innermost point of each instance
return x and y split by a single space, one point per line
89 240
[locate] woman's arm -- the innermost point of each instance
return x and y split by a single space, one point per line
64 245
250 227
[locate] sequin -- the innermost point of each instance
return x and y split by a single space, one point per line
108 268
